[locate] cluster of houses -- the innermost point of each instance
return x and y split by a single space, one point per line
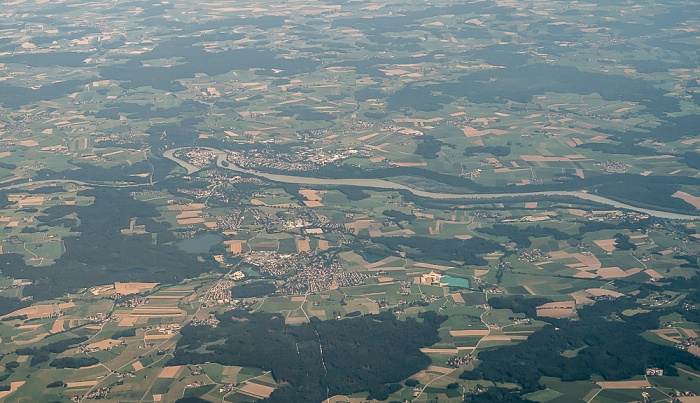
456 361
532 256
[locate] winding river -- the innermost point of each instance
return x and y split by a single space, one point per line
385 184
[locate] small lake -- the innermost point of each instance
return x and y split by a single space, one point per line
455 281
200 244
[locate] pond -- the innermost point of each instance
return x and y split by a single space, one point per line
200 244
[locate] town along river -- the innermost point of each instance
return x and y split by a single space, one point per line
385 184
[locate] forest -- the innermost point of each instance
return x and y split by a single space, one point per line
102 254
519 304
522 236
369 352
9 304
42 354
425 248
610 346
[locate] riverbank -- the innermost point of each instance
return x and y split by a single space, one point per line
388 185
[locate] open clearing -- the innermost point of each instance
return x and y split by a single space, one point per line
41 311
133 288
169 372
625 384
460 333
13 387
81 384
607 245
257 389
688 198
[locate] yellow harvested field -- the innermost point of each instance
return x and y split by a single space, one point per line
358 225
157 311
530 290
480 272
157 336
311 195
688 198
611 272
577 212
542 158
399 232
137 366
29 326
689 399
257 389
531 205
5 154
127 321
312 203
560 304
460 333
81 384
440 370
303 245
104 344
668 334
295 320
600 292
385 279
185 207
472 132
157 398
28 143
457 298
188 214
21 358
450 351
432 266
165 296
190 221
368 136
31 201
555 313
133 288
653 274
422 215
57 326
235 245
497 337
625 384
694 350
41 311
169 372
13 387
322 244
409 164
607 245
656 157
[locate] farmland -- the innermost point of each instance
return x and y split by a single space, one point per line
184 185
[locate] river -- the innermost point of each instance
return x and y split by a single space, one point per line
385 184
